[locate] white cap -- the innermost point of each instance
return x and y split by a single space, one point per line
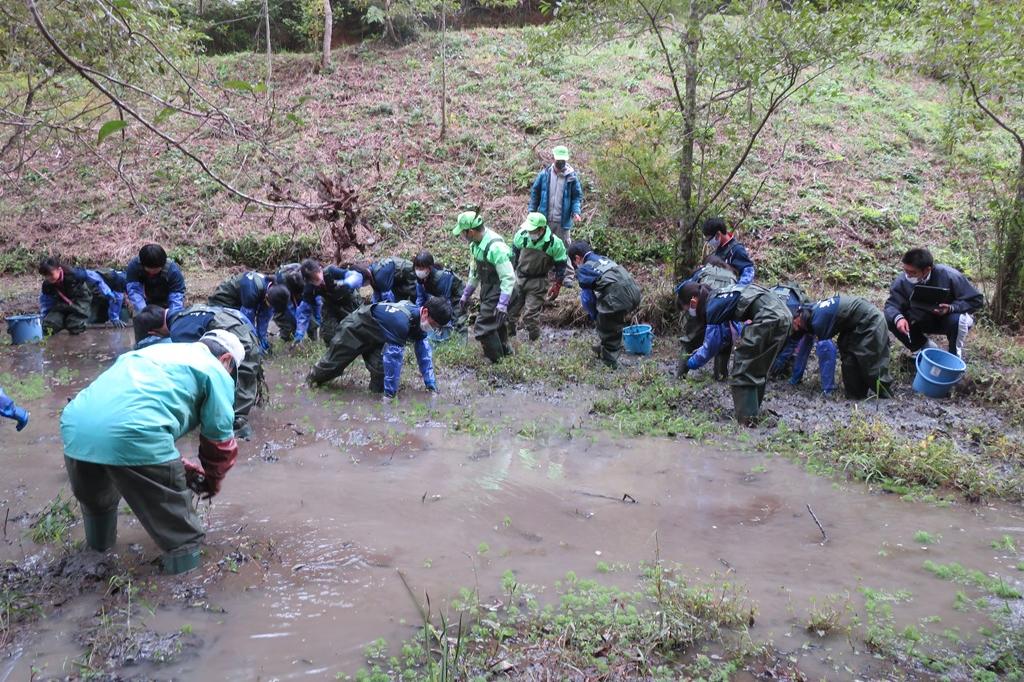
230 342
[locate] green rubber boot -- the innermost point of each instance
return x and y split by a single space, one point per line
175 564
745 404
760 395
493 349
100 530
721 371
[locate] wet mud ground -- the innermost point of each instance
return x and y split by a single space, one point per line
336 493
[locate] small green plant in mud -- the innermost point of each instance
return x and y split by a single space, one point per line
954 572
651 404
53 524
923 537
24 388
660 631
1005 544
831 615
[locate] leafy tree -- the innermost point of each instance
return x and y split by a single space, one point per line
979 45
731 68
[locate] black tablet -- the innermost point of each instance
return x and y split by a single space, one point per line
926 295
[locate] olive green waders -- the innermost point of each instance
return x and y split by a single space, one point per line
250 373
863 348
156 494
759 344
491 335
73 316
359 334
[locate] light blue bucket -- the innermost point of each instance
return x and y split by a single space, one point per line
938 372
24 328
638 339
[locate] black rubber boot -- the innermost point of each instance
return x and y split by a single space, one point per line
681 367
760 396
100 531
492 347
745 404
506 347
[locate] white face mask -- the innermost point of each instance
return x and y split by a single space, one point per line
426 327
422 274
713 242
913 280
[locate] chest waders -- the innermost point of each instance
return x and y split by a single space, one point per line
359 334
491 335
759 344
72 305
863 349
617 295
531 287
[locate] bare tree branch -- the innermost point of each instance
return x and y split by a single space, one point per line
84 73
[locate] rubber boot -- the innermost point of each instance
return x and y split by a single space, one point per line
721 371
610 361
745 404
100 530
182 562
760 396
681 367
492 347
376 383
506 347
242 428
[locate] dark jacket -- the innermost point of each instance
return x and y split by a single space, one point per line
443 283
166 289
735 254
606 287
962 297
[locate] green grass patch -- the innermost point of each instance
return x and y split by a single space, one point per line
53 524
24 388
954 572
871 451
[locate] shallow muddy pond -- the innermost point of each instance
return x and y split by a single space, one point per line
336 493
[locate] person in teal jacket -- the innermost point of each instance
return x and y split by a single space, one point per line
119 438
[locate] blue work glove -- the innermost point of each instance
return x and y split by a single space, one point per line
18 414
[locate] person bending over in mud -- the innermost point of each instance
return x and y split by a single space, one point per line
699 343
608 293
379 332
435 280
863 342
119 438
767 322
155 324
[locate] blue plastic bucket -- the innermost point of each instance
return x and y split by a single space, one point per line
938 372
637 339
24 328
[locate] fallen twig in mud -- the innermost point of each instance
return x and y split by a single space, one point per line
727 565
419 607
626 497
824 535
7 515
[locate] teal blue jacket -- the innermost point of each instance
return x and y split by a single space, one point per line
133 413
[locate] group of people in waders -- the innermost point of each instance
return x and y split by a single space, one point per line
201 365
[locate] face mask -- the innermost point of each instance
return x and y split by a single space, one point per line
426 327
692 310
560 165
536 235
714 242
422 274
913 280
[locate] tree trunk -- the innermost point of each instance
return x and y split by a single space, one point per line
325 62
444 68
266 25
686 251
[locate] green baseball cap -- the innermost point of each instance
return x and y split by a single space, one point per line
534 221
468 220
561 153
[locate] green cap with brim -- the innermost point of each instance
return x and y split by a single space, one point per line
468 220
534 221
560 153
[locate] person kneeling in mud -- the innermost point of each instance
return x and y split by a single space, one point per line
155 324
767 324
119 438
863 342
379 332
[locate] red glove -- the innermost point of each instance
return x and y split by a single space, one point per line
553 291
217 459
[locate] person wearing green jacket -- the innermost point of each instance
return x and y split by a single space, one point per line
119 438
490 269
536 254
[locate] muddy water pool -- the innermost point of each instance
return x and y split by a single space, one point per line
341 493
